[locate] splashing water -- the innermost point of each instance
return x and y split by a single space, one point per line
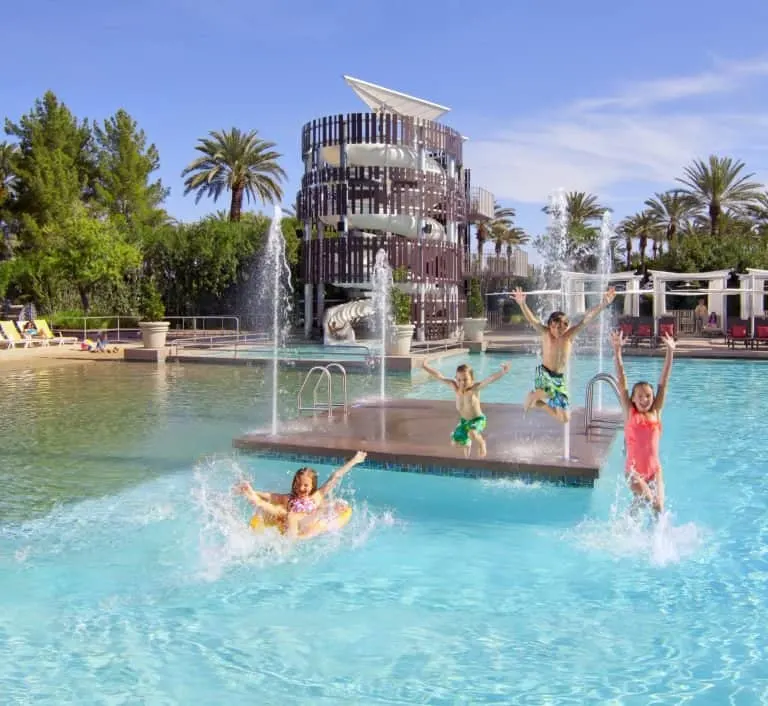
382 287
275 298
604 268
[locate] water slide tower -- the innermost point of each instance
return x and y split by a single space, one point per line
391 178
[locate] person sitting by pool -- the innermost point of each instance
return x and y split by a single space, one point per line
29 330
301 508
472 421
550 392
642 427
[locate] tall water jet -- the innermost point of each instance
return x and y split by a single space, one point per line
275 298
382 288
558 263
604 269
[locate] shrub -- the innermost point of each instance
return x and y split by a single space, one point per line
475 301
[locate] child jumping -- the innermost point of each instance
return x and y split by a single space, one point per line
642 428
301 508
550 392
472 421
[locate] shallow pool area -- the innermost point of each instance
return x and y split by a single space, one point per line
128 574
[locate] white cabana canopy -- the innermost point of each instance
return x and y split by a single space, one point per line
717 281
575 299
752 298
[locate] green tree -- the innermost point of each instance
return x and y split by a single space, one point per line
89 252
496 227
55 166
642 227
670 211
719 185
125 164
583 209
8 155
239 162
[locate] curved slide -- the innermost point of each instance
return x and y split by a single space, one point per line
338 320
385 156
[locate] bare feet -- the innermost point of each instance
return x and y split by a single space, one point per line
530 401
482 450
467 450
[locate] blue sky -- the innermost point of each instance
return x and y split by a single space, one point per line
609 97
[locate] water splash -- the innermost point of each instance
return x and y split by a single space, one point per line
274 299
382 287
604 269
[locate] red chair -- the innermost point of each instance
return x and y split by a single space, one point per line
644 332
761 334
738 333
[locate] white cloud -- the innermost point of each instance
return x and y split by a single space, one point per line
638 139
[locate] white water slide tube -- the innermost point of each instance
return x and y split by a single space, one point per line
338 320
385 156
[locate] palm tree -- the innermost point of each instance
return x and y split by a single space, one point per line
717 185
670 210
582 208
502 221
8 153
237 161
641 226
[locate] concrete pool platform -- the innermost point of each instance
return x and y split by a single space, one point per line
414 435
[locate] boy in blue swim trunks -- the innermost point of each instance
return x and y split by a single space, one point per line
549 390
472 421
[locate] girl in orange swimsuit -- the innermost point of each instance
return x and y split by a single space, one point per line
642 427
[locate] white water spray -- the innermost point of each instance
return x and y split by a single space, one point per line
558 230
382 287
604 269
275 296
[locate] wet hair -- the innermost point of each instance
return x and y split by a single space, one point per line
557 316
465 368
304 471
641 383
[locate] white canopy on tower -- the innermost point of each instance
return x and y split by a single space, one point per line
385 100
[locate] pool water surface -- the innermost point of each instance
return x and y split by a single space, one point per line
128 576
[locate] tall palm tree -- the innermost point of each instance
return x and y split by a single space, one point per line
670 210
641 227
8 153
718 184
239 162
503 219
582 208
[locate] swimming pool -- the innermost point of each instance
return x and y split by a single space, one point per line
441 590
341 353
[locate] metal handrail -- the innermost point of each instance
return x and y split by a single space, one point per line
590 420
325 373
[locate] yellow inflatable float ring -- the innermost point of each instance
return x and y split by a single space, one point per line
334 519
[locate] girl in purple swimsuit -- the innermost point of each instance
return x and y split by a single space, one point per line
300 508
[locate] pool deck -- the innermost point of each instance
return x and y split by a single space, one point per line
414 435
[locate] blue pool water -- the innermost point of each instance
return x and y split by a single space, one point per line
440 591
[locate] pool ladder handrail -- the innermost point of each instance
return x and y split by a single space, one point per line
590 419
324 374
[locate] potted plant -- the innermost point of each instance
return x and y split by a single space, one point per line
153 329
474 324
399 340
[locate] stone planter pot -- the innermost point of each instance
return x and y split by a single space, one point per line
153 333
474 330
399 342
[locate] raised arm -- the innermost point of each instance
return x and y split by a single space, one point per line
530 317
608 297
617 341
661 392
257 497
492 378
437 374
327 487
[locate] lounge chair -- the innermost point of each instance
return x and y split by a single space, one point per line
761 333
52 337
738 332
13 335
666 326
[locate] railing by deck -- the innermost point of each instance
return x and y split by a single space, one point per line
481 204
496 266
350 260
375 128
331 191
